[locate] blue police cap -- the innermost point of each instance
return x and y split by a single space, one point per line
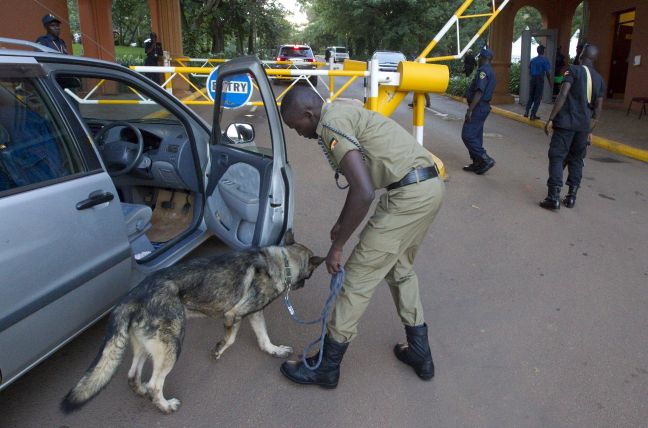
486 53
49 18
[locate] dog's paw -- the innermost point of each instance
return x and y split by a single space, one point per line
168 406
281 351
138 388
217 351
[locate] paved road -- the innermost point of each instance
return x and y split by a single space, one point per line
537 319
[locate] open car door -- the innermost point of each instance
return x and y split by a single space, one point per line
250 190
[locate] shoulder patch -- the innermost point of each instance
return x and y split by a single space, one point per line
482 75
333 143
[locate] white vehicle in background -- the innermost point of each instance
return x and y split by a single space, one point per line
338 53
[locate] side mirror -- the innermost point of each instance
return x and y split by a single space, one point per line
240 133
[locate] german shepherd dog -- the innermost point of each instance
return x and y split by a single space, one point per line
152 315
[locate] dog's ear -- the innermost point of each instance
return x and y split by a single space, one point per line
289 237
315 261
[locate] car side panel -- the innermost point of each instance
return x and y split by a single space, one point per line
36 337
49 250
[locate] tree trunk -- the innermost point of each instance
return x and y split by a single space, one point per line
250 44
217 27
239 42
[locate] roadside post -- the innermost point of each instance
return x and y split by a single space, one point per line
331 78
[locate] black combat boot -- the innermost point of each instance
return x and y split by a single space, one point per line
486 163
473 166
552 201
416 352
326 375
570 198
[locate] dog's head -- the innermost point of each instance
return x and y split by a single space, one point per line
302 260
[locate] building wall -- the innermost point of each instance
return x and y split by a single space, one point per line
21 19
601 33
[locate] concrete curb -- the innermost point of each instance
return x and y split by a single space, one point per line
603 143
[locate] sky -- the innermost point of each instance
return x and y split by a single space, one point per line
296 16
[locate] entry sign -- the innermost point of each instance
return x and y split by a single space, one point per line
237 89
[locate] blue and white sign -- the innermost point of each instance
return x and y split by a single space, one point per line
237 89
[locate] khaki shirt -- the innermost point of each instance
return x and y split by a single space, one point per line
389 151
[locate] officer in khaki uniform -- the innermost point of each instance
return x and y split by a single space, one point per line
372 152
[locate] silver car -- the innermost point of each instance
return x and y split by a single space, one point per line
300 56
388 60
105 178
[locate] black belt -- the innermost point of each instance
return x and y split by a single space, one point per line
415 176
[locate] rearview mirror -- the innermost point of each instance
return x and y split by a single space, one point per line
240 133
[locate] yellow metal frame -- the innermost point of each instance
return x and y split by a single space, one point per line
382 98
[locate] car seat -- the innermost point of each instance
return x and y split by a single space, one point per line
31 152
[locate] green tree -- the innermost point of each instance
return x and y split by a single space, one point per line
73 13
577 21
131 20
233 27
403 25
527 17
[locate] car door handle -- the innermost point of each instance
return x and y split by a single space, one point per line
95 198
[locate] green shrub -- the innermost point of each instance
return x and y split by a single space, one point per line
129 59
458 85
514 79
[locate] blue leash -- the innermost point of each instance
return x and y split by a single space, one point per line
336 285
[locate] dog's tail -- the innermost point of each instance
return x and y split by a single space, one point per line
105 364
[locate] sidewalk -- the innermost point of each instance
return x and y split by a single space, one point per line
614 124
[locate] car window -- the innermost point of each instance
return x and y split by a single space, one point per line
392 57
296 51
341 50
241 103
99 100
35 147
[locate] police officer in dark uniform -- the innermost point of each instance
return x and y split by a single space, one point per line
571 122
469 63
53 27
153 51
479 96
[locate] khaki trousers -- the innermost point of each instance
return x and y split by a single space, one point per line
387 248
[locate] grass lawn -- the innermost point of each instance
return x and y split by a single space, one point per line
125 54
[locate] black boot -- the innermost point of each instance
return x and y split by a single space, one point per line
486 163
326 375
570 198
416 352
552 201
473 166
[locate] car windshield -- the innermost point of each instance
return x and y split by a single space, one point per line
300 51
390 57
341 50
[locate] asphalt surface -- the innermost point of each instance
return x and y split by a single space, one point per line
537 319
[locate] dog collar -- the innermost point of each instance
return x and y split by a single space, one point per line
288 280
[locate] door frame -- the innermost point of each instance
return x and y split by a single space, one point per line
279 190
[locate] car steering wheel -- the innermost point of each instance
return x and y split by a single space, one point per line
120 156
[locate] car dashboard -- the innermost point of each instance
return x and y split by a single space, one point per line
167 160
